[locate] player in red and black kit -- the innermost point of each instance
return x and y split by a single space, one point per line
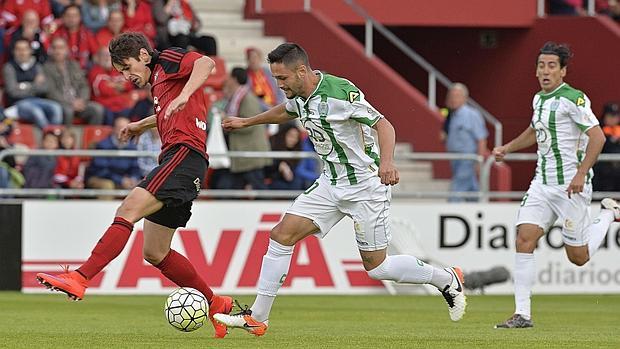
164 198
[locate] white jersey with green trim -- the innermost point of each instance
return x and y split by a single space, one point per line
339 121
561 119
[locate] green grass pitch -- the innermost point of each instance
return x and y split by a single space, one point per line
317 322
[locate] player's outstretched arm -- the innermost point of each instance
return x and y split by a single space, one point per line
387 141
137 128
524 140
203 67
275 115
595 145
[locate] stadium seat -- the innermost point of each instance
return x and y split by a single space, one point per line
93 134
56 129
216 79
23 134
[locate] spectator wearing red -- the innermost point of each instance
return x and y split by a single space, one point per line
14 10
261 81
117 95
67 171
81 41
139 18
116 22
30 29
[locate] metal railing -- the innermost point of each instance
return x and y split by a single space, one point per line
215 193
484 195
371 24
258 6
485 175
434 74
541 11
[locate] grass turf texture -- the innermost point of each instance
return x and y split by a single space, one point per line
313 322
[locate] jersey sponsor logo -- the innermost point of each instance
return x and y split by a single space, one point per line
554 105
322 143
581 102
156 105
542 137
323 109
201 124
353 95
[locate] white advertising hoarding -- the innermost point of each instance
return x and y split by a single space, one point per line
225 240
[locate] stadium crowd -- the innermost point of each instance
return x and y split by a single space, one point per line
60 91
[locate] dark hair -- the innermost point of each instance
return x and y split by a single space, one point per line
20 39
64 10
288 53
128 45
239 74
560 50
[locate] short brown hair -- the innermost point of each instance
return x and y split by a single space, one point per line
128 45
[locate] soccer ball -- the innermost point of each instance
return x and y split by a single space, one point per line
186 309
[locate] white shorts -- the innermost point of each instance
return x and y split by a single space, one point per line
544 204
367 203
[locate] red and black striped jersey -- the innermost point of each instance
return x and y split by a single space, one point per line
170 70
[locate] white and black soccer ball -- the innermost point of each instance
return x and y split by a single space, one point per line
186 309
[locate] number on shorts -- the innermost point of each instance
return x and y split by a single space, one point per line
524 200
312 187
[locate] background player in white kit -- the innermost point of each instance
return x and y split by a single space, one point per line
565 130
355 182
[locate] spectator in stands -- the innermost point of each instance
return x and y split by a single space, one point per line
80 40
67 171
14 10
58 6
10 177
282 173
261 81
115 24
39 170
308 170
69 87
30 29
26 85
467 134
566 7
95 13
248 173
148 141
614 10
139 18
117 95
607 173
177 25
114 172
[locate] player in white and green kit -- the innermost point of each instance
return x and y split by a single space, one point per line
569 140
356 179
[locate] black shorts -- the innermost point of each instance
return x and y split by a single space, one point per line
175 182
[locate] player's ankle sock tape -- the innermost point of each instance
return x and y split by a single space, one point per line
274 268
276 249
109 247
402 268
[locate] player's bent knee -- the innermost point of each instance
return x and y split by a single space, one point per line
525 244
578 260
380 272
153 257
282 236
